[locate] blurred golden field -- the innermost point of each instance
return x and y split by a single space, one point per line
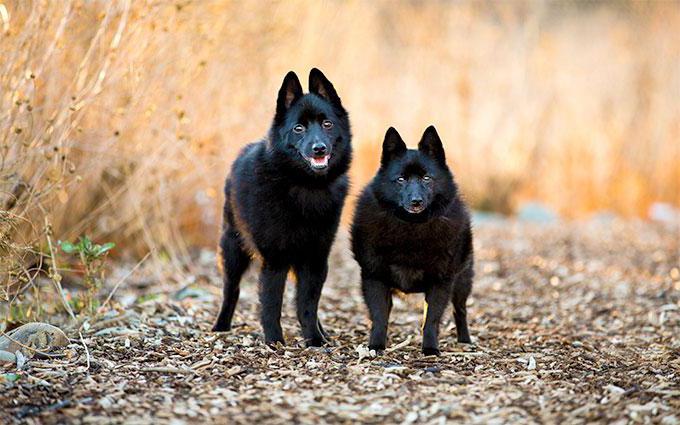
120 119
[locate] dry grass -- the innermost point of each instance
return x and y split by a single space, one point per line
119 119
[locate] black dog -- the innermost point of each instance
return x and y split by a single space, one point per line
411 233
283 203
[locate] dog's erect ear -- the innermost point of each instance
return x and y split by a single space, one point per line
393 147
290 91
319 84
431 145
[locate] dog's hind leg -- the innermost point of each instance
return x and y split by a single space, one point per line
462 287
235 261
323 331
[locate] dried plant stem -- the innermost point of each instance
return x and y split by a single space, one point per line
55 276
121 280
87 351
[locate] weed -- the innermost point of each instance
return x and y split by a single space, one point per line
92 258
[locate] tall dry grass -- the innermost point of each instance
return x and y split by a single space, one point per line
119 119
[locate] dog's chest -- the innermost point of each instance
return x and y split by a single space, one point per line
312 203
407 279
414 258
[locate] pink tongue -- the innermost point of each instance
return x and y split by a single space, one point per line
320 161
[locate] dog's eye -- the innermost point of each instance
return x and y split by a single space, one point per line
327 124
299 128
427 178
401 179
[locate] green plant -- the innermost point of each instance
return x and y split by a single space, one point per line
92 258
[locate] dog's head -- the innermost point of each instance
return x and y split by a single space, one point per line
416 185
311 132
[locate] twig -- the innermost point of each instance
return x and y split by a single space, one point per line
466 353
115 287
56 280
167 370
402 344
61 292
87 352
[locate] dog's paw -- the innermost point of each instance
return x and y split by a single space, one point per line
220 327
431 351
464 339
379 348
275 342
316 342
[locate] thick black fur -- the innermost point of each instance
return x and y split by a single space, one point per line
411 233
284 208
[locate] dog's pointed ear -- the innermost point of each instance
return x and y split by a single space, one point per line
290 91
431 145
393 147
319 85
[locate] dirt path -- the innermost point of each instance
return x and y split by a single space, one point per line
572 323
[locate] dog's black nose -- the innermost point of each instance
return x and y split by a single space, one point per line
416 203
319 149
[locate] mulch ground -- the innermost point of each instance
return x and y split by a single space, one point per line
572 322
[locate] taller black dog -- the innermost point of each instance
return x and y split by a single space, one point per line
283 203
411 233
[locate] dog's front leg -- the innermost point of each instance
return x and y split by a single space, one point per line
272 285
437 299
378 298
311 278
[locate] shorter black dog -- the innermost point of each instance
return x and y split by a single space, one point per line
411 233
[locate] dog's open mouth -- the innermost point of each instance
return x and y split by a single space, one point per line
415 210
318 163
